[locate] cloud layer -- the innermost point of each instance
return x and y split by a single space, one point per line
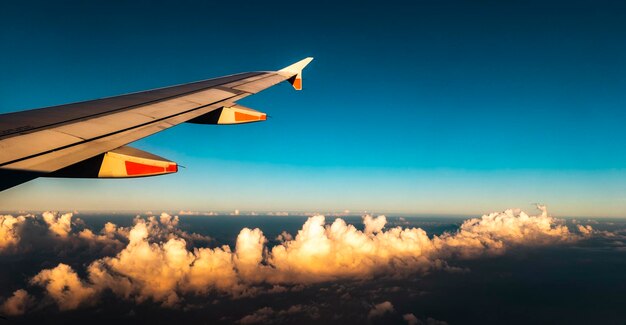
156 261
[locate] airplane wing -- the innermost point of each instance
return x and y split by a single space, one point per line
88 139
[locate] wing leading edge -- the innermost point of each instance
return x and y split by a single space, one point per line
70 140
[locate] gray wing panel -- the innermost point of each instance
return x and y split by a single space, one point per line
31 120
52 148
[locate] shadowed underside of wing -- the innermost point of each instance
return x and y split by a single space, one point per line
44 141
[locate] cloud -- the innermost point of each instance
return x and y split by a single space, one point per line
493 233
9 231
165 227
321 252
410 319
157 271
267 315
374 225
158 263
162 271
64 286
284 236
18 303
54 233
413 320
63 234
260 316
61 225
380 309
585 230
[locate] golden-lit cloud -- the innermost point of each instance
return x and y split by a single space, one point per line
61 225
17 304
9 231
493 233
64 286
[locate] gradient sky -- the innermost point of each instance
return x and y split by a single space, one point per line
460 107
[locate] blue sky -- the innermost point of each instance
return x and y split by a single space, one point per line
429 107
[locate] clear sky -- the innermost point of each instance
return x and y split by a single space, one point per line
457 107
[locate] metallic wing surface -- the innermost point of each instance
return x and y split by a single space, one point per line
88 139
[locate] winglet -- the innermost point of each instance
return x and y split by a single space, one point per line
294 72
